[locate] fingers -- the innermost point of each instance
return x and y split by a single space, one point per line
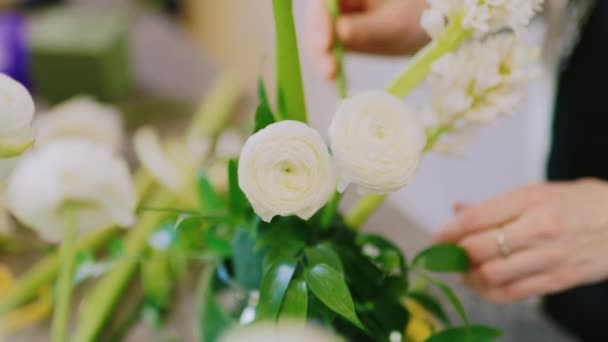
374 31
320 38
488 215
483 246
500 272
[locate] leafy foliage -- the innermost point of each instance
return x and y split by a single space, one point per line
474 333
445 257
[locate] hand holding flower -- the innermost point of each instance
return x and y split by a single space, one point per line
556 234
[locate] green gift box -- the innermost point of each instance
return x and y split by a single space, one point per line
76 51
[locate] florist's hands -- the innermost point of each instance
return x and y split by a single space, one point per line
557 234
389 27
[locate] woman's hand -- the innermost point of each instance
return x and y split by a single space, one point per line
389 27
557 234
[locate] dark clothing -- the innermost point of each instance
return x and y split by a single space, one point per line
580 149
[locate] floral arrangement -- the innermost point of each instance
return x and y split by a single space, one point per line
265 227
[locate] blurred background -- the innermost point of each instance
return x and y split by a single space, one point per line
155 59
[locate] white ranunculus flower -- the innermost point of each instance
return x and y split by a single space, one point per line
284 331
149 151
376 141
16 114
81 118
285 169
71 172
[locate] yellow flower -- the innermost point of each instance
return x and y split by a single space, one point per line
27 315
421 325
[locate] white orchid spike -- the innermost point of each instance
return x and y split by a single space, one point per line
71 172
484 80
482 16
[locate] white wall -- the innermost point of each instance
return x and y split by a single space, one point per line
502 157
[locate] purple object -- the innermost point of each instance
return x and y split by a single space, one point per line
14 58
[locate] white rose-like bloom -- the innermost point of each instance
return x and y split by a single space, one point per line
16 114
483 16
285 169
376 141
81 118
283 331
71 172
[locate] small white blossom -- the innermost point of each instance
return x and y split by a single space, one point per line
285 169
483 16
149 151
71 172
6 226
16 114
229 144
376 141
479 83
81 118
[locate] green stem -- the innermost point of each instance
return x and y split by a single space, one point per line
363 209
330 210
292 105
414 74
420 65
334 10
45 271
102 299
61 315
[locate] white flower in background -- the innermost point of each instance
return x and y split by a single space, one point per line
6 226
229 144
284 331
479 83
149 151
71 172
16 114
483 16
285 169
81 118
218 175
376 141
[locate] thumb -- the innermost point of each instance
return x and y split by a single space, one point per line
364 31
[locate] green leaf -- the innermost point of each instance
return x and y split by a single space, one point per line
263 117
247 261
157 280
445 257
474 333
116 248
295 303
290 85
263 114
213 321
218 244
451 296
384 253
431 304
237 202
330 288
209 200
324 254
274 285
